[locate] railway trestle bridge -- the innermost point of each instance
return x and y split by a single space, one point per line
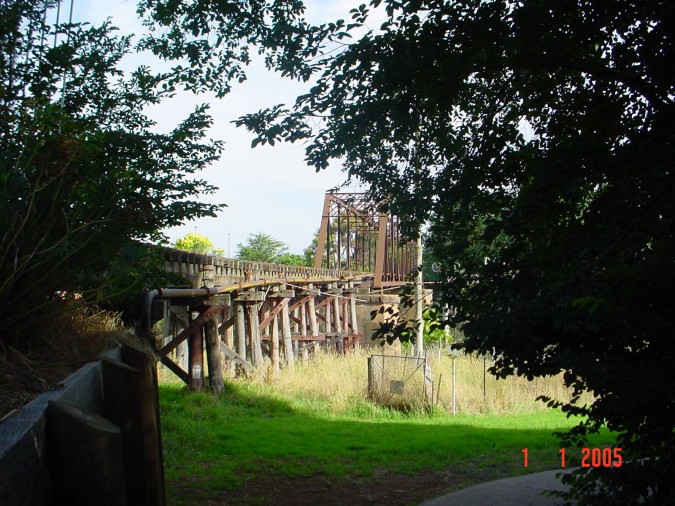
245 315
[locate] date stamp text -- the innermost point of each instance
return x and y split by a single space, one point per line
590 457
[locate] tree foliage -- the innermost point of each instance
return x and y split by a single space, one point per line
261 247
309 253
537 140
213 42
84 172
197 243
292 259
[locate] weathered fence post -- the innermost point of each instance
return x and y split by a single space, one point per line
85 458
94 439
129 406
371 378
152 427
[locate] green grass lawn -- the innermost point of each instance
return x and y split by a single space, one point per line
218 444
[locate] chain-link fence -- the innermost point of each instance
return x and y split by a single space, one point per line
402 382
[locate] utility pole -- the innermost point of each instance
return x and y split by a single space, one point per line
419 300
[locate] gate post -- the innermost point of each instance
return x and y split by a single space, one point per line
371 379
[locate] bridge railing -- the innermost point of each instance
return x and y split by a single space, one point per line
211 270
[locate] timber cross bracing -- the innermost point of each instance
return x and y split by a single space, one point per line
355 236
252 319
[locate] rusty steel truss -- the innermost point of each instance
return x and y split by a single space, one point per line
356 236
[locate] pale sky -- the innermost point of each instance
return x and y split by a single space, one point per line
267 189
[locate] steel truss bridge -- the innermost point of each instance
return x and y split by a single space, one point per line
354 235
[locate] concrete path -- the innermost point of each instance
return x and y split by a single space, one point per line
523 490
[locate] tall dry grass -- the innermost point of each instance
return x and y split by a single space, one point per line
479 392
338 385
334 384
75 336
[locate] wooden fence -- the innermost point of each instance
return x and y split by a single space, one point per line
95 440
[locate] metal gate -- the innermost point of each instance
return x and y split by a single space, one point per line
402 382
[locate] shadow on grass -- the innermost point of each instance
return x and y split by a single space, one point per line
243 447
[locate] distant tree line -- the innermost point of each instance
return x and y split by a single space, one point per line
258 247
